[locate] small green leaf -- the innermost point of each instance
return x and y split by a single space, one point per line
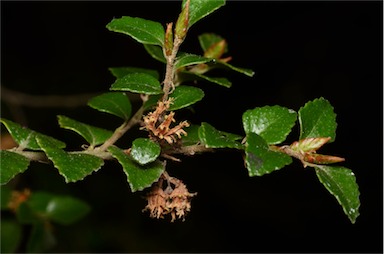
26 138
187 75
213 138
317 119
192 137
72 166
155 52
114 103
341 183
11 165
190 59
145 151
120 72
138 83
142 30
272 123
93 135
259 159
66 210
206 40
10 236
184 96
198 9
139 177
248 72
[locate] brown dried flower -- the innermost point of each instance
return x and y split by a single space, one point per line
158 123
175 200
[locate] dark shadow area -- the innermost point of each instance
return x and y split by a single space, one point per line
299 50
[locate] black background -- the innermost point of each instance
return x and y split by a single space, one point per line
299 50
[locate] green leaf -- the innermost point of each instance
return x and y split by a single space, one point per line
11 165
26 138
72 166
10 236
213 138
192 137
198 9
114 103
187 75
317 119
259 159
190 59
272 123
142 30
206 40
93 135
120 72
144 151
156 52
184 96
138 83
244 71
139 177
341 183
66 210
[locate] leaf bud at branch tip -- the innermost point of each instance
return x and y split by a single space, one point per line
182 22
168 42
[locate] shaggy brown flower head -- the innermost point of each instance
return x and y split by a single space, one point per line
171 200
158 123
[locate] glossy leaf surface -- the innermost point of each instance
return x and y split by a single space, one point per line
142 30
317 119
114 103
139 177
272 123
11 165
259 159
184 96
93 135
138 83
144 150
26 138
198 9
213 138
72 166
341 183
190 59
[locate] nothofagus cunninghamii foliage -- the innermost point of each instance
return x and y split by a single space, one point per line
262 145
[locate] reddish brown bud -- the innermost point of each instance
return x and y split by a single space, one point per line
182 22
168 41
